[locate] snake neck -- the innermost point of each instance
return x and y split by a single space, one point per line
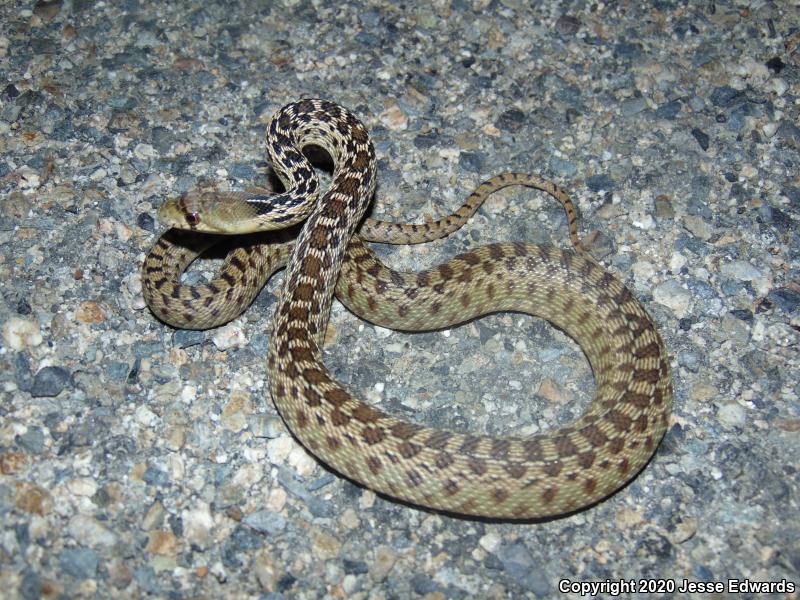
308 291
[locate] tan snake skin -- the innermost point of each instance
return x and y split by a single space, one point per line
504 477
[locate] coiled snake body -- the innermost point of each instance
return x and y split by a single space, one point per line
506 477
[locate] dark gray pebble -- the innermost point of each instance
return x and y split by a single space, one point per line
598 183
775 64
523 569
321 482
789 134
259 344
701 137
689 360
320 508
427 140
117 371
785 299
265 521
422 584
725 96
669 110
511 120
567 25
562 167
49 382
22 371
23 308
30 588
627 50
471 161
355 567
32 440
154 476
793 194
242 171
145 221
632 106
9 92
80 563
145 578
743 314
186 338
146 349
162 139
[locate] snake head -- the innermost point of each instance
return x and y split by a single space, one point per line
209 212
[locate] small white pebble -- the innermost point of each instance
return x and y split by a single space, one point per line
230 336
144 416
769 129
82 487
276 500
490 542
367 499
278 449
188 393
144 151
302 463
382 332
677 262
19 334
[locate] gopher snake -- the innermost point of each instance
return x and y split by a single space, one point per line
507 477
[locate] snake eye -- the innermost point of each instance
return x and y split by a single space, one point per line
192 219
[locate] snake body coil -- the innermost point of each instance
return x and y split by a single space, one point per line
507 477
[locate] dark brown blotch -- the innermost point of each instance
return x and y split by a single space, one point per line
620 421
552 468
366 414
444 460
586 459
617 445
405 431
337 396
312 397
477 466
374 464
565 446
651 350
515 470
409 449
594 435
499 495
549 494
438 439
470 444
500 448
533 450
339 418
641 423
414 478
372 435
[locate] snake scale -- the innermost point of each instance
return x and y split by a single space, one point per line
539 476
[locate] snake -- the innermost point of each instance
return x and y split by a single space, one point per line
545 475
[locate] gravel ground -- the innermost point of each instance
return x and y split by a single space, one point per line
136 460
